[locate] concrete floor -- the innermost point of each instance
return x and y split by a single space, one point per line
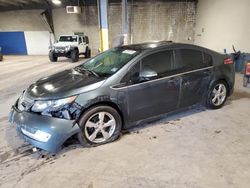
197 148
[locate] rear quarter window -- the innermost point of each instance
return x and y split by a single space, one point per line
189 59
207 59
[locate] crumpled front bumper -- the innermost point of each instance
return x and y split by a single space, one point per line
59 129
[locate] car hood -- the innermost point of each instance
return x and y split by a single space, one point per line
63 84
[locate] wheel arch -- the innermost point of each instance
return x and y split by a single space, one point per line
105 103
74 48
226 82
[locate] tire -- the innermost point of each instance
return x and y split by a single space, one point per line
217 97
245 81
91 133
52 57
88 53
74 55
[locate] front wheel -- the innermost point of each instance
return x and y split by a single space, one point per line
74 55
52 57
99 125
217 95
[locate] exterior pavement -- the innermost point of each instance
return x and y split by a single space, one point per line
198 148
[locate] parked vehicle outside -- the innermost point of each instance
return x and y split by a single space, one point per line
70 46
118 88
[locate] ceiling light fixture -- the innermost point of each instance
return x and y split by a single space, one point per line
56 2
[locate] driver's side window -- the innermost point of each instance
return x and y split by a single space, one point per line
132 76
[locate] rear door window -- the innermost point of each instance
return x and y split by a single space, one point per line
188 59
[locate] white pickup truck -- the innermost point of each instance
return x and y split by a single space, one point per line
70 46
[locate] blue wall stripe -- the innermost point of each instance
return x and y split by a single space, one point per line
13 43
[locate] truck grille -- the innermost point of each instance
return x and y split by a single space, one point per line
59 48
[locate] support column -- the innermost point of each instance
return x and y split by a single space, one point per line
102 6
125 21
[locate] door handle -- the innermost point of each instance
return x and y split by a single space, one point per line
187 83
174 80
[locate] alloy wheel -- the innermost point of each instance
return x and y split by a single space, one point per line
219 94
100 127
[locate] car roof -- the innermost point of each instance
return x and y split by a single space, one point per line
160 44
147 45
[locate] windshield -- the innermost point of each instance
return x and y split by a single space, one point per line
68 39
109 62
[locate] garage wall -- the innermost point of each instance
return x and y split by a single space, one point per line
160 20
222 23
13 43
29 23
150 20
22 20
37 42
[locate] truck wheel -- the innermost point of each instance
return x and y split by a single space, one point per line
74 55
52 57
88 53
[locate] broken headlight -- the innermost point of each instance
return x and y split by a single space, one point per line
52 105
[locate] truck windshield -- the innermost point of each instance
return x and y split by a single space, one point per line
110 61
68 39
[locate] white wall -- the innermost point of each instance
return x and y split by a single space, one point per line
37 42
224 22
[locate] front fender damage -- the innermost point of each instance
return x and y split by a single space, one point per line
59 125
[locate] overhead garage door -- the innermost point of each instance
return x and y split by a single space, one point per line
13 43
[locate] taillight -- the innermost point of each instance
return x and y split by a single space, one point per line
247 69
228 61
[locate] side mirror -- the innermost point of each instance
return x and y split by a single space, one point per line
147 74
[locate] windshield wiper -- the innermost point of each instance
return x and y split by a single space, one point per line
92 72
87 70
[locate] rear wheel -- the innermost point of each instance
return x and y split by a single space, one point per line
74 55
52 57
99 125
217 95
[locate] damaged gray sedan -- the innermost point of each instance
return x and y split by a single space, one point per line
118 88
